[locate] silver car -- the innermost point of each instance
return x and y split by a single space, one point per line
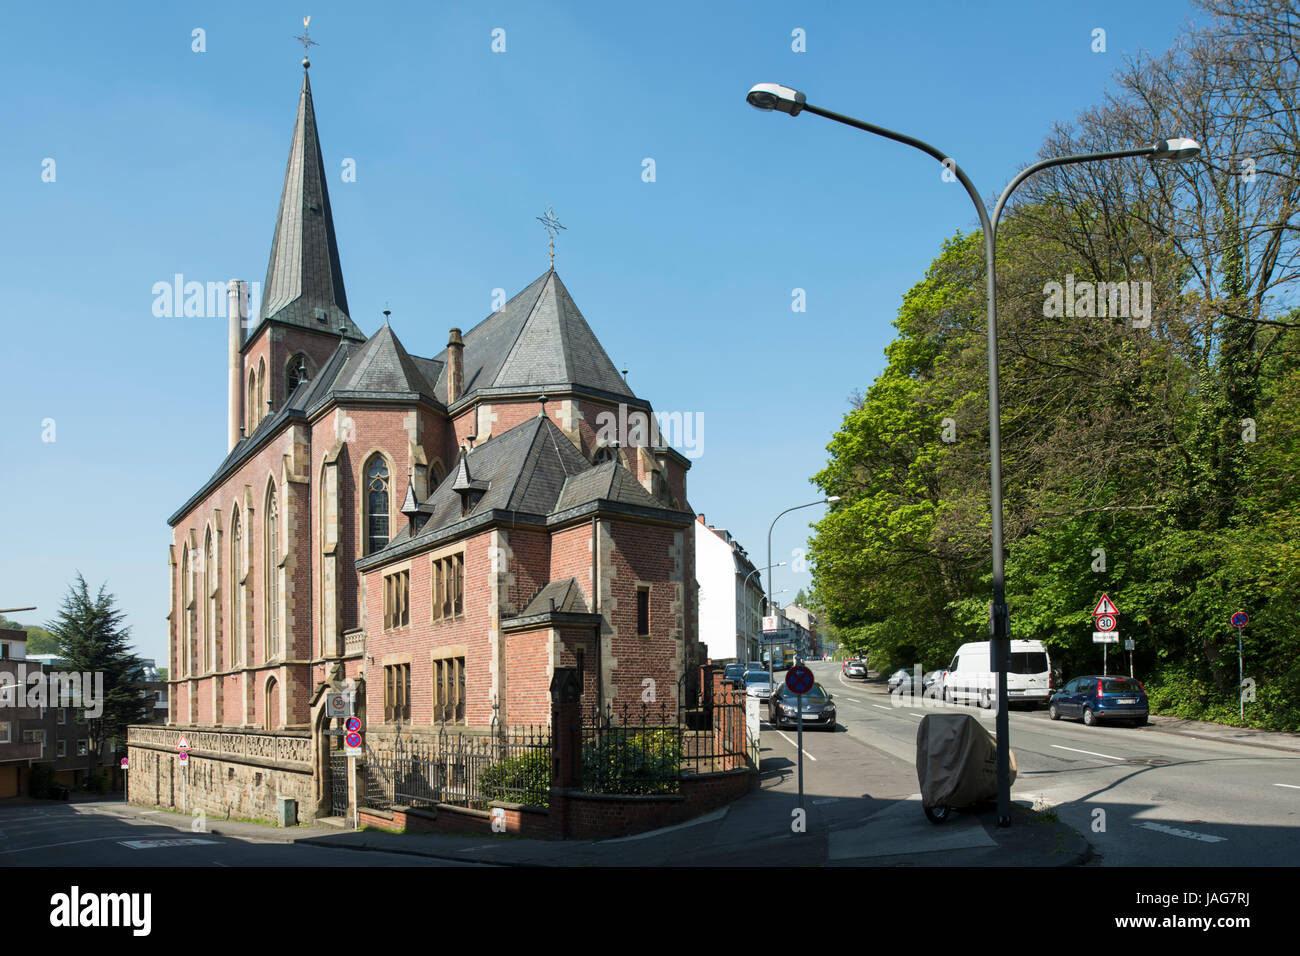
759 684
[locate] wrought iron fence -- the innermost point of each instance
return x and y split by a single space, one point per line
464 769
632 749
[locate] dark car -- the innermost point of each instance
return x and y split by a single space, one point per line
818 708
734 672
1095 698
856 668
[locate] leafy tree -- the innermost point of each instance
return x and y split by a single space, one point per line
93 639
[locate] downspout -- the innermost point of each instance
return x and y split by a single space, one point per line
595 604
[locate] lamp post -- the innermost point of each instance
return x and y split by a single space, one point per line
772 96
820 501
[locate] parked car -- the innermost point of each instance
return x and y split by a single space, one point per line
759 684
1094 698
856 668
734 672
903 681
931 678
818 708
970 679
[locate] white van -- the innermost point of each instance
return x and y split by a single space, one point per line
970 679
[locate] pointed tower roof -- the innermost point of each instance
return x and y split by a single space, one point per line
382 366
538 339
304 281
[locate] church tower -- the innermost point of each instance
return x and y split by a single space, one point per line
304 307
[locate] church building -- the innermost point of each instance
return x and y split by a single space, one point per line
443 532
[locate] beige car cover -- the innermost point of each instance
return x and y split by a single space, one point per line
956 761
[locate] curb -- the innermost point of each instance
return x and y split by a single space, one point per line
1216 739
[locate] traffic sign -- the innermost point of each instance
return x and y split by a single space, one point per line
1240 619
1106 622
125 764
353 724
338 705
777 637
182 744
799 679
184 755
1105 637
353 739
1105 606
1128 644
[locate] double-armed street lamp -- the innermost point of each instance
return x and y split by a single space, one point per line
774 97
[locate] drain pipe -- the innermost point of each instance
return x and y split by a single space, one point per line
595 604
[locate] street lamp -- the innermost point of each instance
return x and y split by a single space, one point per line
820 501
774 97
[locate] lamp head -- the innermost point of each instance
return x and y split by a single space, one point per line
1180 149
773 96
832 499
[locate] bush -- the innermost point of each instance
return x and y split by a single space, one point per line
524 779
646 762
96 782
42 781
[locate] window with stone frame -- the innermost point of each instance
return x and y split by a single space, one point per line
643 610
297 370
449 690
397 599
397 692
6 731
376 503
448 598
211 589
236 589
63 748
83 748
272 575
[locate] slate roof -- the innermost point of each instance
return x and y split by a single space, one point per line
567 595
539 339
303 274
382 366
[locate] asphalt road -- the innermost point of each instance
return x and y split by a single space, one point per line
94 834
1139 795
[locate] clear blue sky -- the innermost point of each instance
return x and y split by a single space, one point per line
169 161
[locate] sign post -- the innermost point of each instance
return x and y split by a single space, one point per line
800 680
1105 616
1239 620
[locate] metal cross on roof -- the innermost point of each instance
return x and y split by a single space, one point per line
551 224
306 41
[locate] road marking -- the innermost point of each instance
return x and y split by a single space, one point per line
154 844
1090 753
818 803
1187 834
47 846
1289 786
917 716
797 747
882 706
850 699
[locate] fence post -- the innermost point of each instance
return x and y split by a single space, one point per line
566 745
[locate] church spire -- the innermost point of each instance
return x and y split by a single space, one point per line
304 280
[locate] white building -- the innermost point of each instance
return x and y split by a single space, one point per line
731 595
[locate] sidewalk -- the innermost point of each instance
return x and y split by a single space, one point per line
1204 730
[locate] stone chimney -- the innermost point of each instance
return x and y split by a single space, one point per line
455 366
237 314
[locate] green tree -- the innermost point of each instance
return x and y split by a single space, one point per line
93 639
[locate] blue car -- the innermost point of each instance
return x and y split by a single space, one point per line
1095 698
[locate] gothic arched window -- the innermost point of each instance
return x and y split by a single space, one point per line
272 574
209 602
250 412
376 503
186 657
236 589
297 371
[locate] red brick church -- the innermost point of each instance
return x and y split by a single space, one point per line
445 531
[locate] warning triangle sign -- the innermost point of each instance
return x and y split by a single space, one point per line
1105 606
182 744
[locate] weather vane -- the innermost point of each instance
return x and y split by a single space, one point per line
551 224
306 41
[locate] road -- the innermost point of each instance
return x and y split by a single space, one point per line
102 834
1141 796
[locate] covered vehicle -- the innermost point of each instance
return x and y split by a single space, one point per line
956 762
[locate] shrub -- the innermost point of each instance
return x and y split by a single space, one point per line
96 782
645 762
523 779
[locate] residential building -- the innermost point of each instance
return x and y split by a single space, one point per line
731 595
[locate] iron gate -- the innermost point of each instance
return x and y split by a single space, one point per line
338 784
